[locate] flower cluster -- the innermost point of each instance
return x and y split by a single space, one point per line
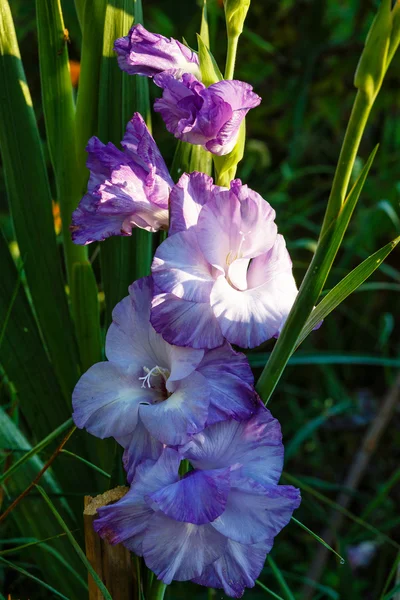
203 456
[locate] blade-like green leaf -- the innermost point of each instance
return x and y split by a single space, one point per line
122 259
25 573
269 592
35 450
86 118
59 114
74 543
204 28
28 515
319 539
86 313
310 289
346 287
30 202
280 578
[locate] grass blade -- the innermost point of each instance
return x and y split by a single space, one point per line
74 544
270 592
280 579
30 202
319 539
346 287
22 571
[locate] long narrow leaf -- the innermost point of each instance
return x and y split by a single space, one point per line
319 539
123 259
75 544
25 573
28 515
310 289
30 202
347 286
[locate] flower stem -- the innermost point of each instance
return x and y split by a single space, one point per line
231 56
157 590
354 132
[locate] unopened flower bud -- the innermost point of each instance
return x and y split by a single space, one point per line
235 14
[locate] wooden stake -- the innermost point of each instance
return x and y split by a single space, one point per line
113 564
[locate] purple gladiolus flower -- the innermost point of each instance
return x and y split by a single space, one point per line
150 393
224 273
128 188
145 53
216 524
209 117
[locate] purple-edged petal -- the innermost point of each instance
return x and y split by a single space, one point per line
231 382
141 446
187 199
198 498
179 268
237 568
132 341
182 414
253 447
255 512
145 53
140 146
241 99
180 551
185 323
106 400
126 521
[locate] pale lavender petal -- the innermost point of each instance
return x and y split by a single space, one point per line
182 414
127 520
235 225
253 446
179 268
231 381
185 323
145 53
141 446
198 498
106 400
255 513
180 551
248 318
237 273
187 199
237 568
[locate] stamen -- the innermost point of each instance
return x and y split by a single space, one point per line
154 372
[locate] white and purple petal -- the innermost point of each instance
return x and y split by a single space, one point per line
254 447
237 568
180 551
187 198
185 323
231 383
140 446
255 512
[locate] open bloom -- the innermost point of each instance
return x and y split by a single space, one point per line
216 524
128 188
224 272
209 117
144 53
150 393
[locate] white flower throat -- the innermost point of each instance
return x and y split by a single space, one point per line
231 256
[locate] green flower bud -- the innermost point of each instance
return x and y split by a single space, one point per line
373 61
235 14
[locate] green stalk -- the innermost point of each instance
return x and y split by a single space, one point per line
368 79
157 590
351 143
231 56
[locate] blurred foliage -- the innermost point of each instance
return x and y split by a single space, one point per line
300 57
